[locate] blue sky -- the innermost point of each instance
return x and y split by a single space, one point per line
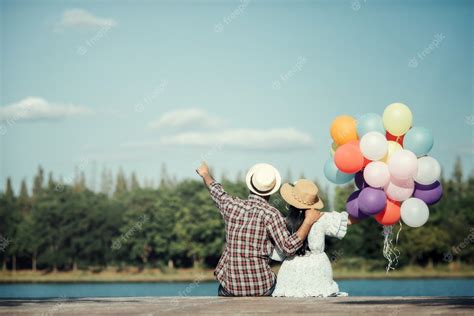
136 84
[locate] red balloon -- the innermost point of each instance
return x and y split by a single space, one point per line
390 215
366 162
398 139
348 158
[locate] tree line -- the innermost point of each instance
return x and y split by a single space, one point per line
58 226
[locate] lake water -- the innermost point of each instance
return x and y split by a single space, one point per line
411 287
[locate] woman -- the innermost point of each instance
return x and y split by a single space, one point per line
309 272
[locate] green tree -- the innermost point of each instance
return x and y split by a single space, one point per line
121 184
38 182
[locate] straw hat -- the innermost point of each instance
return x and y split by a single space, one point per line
303 194
263 179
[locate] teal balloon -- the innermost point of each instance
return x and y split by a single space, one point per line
370 122
419 140
335 175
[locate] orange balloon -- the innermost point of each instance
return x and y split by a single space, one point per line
348 158
390 215
344 129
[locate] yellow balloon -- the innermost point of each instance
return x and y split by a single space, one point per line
333 148
392 148
397 119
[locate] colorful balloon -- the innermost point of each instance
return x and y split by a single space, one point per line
335 175
352 206
428 171
390 215
399 190
403 164
430 194
333 149
393 147
414 212
397 139
370 122
348 158
343 129
372 201
419 140
374 146
397 119
376 174
359 180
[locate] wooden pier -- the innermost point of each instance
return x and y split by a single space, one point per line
388 306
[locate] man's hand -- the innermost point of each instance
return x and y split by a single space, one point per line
312 215
203 169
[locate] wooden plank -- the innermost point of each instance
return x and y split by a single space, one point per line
388 306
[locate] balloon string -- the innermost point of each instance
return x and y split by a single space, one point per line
399 230
390 252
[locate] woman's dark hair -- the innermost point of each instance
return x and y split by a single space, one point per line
294 219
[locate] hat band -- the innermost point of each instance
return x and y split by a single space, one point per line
259 191
299 199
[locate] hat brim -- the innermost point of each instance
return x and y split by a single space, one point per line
248 180
286 192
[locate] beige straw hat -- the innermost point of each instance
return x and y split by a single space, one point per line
263 179
303 194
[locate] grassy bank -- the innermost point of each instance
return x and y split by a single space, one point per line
189 275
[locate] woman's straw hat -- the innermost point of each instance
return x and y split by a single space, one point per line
303 194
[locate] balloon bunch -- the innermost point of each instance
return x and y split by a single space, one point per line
387 158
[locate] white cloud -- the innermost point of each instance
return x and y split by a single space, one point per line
186 118
246 139
79 18
34 108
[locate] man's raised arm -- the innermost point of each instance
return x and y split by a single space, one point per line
203 171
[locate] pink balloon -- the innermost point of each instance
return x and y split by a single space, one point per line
376 174
403 164
400 190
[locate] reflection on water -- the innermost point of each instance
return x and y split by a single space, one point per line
412 287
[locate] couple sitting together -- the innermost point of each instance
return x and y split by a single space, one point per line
256 232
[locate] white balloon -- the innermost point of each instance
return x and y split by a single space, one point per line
414 212
373 146
403 164
399 190
428 172
376 174
393 147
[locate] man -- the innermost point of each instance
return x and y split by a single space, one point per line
253 227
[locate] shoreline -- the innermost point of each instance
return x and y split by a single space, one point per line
190 275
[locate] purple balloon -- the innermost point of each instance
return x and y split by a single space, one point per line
352 206
372 201
430 194
359 180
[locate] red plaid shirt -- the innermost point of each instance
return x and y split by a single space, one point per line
252 228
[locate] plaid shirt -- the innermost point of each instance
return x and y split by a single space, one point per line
252 228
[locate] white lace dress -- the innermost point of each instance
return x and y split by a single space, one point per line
311 274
